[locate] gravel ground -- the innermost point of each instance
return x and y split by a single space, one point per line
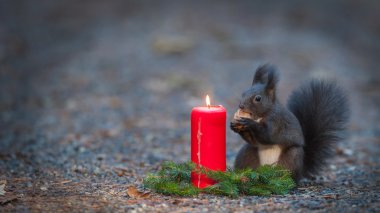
94 95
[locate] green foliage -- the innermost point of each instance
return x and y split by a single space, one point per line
172 179
175 179
223 188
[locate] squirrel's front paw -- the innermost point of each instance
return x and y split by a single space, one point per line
245 123
241 124
236 126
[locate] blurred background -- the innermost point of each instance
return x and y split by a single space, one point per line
92 91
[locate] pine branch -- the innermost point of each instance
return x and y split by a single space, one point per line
175 179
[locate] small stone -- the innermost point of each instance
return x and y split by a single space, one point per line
97 171
82 149
78 168
101 157
2 191
348 152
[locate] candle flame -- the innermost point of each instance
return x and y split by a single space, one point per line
208 101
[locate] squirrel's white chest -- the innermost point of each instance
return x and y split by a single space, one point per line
269 154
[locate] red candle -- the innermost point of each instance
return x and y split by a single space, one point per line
208 141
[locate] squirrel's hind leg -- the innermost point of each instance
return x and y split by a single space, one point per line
292 159
247 157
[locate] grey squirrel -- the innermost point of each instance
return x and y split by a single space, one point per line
300 137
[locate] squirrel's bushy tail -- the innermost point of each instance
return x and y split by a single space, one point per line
323 112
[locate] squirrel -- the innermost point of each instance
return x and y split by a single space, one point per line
300 137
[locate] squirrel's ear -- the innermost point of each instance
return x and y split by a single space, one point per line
267 75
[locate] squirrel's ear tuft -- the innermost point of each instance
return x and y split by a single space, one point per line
267 75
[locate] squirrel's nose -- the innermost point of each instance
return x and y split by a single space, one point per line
241 106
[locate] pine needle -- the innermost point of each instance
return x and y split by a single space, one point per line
175 179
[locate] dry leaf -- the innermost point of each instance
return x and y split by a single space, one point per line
244 179
176 202
65 181
120 171
7 199
134 193
330 196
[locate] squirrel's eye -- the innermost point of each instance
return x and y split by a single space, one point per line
257 98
